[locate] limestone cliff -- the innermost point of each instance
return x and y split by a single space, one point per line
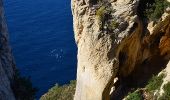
7 64
116 41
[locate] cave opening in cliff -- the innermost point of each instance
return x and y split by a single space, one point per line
139 78
155 56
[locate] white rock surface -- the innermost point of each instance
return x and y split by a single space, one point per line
97 65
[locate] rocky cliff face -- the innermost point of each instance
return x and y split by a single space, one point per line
7 64
115 42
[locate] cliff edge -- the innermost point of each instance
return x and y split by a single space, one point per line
121 45
7 64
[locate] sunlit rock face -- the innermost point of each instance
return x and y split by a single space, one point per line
114 41
7 64
97 61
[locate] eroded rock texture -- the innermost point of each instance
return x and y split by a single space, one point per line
97 61
106 50
7 64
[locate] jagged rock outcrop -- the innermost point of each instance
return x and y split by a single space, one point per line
97 61
7 65
113 41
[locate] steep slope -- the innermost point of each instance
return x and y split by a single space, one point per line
114 42
97 61
7 64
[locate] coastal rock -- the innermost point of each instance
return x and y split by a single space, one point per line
7 65
114 42
97 61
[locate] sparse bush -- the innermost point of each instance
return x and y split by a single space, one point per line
155 83
134 96
113 25
65 92
151 91
101 12
154 11
166 94
23 88
105 18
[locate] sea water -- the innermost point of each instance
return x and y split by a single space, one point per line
42 40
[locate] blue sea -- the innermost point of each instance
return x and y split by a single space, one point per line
42 40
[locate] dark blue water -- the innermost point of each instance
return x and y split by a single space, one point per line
42 40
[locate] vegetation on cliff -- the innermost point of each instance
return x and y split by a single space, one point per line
135 48
105 18
146 95
23 88
151 91
134 96
152 9
166 94
155 82
65 92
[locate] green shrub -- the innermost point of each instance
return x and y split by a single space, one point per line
155 83
154 11
23 88
166 94
65 92
134 96
113 25
101 12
